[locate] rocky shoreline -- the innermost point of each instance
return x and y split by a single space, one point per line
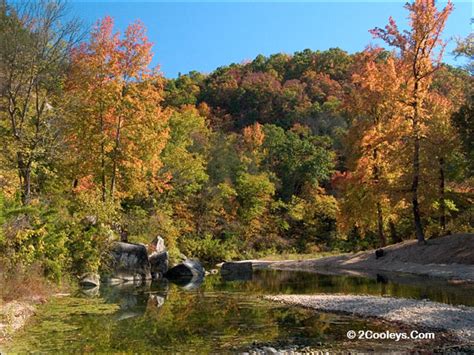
421 314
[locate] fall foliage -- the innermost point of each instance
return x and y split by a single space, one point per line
309 152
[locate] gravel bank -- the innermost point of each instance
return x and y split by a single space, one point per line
458 320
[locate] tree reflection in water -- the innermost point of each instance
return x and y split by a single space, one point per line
215 316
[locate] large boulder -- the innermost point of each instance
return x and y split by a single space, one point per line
129 262
186 270
239 270
159 263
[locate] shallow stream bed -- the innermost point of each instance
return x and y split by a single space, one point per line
220 316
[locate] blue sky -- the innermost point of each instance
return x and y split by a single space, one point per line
202 36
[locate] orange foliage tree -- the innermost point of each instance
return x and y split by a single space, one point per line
118 128
420 49
374 138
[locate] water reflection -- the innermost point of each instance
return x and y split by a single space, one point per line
188 283
387 284
216 315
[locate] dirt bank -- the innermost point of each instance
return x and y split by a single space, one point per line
457 320
13 316
450 257
21 292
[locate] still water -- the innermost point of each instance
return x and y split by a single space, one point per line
218 316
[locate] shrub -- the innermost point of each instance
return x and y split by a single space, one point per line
209 249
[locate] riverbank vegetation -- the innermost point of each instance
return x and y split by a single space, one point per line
311 152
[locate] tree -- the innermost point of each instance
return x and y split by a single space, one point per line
183 90
419 52
296 158
35 42
118 127
251 153
465 48
186 153
442 139
376 128
464 118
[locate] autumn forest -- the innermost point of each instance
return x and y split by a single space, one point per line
315 151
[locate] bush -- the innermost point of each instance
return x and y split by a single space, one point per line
33 236
208 249
87 248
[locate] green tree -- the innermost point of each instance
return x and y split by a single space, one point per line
296 158
35 42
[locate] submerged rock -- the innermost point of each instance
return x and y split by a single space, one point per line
240 270
129 262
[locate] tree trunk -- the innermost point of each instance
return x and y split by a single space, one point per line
103 182
115 157
24 170
393 232
102 157
381 235
117 147
383 240
416 168
414 189
442 202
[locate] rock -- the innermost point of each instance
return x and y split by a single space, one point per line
237 271
89 221
212 272
89 280
379 253
157 245
187 269
129 262
182 257
159 263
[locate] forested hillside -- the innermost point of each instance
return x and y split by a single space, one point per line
305 152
